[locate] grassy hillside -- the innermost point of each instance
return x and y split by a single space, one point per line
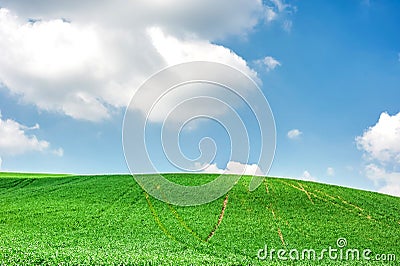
110 220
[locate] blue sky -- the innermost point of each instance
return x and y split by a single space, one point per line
329 69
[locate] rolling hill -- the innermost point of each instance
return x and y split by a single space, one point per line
109 219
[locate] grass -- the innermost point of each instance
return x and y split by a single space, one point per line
108 219
30 175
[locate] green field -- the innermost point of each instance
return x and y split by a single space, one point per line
108 219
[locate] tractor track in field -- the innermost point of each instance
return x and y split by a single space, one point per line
184 224
74 180
12 183
352 208
221 216
337 201
276 219
110 207
27 183
16 184
300 188
157 218
180 220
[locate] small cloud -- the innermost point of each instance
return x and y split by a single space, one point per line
271 63
330 171
287 25
307 176
268 62
278 10
233 167
280 5
245 169
15 139
59 152
270 14
36 126
294 134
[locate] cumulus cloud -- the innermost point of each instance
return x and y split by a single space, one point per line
175 51
233 167
53 64
387 182
294 134
307 176
380 144
15 139
88 65
268 62
330 171
206 19
381 141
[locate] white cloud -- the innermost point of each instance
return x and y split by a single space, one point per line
307 176
233 167
59 152
270 14
53 64
391 189
15 140
380 144
381 141
279 10
294 134
89 66
287 25
280 5
206 19
268 62
330 171
175 51
388 182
